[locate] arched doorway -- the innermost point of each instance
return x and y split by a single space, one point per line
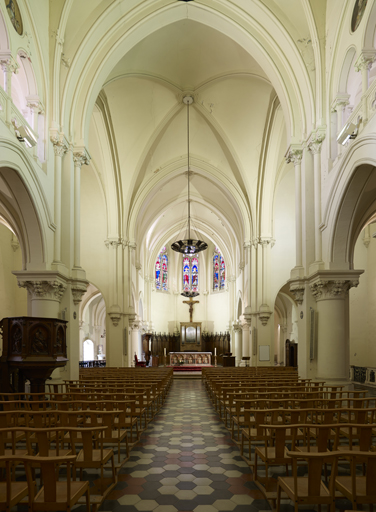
88 350
92 315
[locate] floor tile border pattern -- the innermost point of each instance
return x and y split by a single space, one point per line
185 461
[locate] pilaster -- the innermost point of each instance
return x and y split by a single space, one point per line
294 155
80 157
314 146
60 146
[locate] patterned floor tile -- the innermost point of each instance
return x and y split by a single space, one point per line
186 461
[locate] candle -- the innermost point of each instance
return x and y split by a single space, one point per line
215 351
165 351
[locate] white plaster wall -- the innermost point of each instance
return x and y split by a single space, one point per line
282 255
362 306
13 300
94 253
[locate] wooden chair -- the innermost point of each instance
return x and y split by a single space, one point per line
56 495
12 492
90 457
273 453
359 489
309 489
252 431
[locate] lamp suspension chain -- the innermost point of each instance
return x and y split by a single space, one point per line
189 202
189 246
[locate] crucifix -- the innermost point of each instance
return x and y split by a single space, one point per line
190 303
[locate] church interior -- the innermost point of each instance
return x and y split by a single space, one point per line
280 176
128 127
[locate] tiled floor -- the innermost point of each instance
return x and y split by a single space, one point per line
185 461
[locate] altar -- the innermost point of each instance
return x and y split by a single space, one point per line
190 358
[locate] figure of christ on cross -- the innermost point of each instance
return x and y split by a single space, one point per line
190 303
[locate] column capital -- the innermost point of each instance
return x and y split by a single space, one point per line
264 241
236 325
34 103
115 314
264 314
60 143
340 102
8 63
45 285
81 156
294 154
365 60
326 285
315 141
114 242
246 325
297 288
78 287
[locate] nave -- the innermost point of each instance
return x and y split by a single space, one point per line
186 461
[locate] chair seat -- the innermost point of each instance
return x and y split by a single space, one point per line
19 491
97 457
53 453
312 449
343 484
77 489
269 453
287 484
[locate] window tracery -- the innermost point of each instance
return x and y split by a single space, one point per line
190 274
161 271
219 271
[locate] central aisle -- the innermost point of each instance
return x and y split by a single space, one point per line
185 461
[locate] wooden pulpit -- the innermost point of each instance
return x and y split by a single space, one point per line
32 349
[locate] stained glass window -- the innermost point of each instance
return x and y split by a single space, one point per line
161 271
219 271
190 274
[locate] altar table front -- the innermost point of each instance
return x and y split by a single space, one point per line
190 358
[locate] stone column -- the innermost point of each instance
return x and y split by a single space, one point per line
282 341
135 341
314 147
330 289
264 310
60 146
294 155
206 296
9 66
237 332
231 301
364 64
246 339
80 157
45 291
177 326
81 335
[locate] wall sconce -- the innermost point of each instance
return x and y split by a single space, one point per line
24 134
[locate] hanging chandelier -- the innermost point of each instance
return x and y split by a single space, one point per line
189 246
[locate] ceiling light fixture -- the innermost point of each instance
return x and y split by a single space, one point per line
189 245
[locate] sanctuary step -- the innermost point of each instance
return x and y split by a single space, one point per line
188 368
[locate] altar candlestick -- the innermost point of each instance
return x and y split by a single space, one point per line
165 351
215 351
